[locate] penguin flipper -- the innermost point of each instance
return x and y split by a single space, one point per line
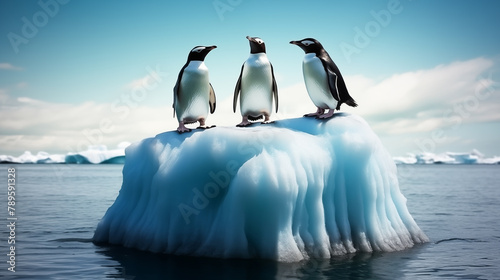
343 94
332 83
333 73
237 89
211 99
177 88
275 88
173 106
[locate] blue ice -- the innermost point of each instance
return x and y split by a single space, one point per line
288 191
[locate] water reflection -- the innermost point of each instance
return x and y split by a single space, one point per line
133 264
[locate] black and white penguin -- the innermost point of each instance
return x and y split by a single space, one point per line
323 80
256 84
193 93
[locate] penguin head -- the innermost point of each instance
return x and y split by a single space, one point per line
199 52
309 45
257 45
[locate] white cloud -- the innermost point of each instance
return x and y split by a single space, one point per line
414 92
22 85
148 82
446 100
422 100
3 96
8 66
403 104
58 127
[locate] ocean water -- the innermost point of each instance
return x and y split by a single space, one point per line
58 207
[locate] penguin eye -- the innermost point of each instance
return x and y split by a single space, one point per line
259 41
198 50
307 42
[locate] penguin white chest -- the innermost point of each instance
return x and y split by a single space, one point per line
256 85
194 92
316 81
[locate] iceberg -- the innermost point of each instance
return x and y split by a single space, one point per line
95 154
474 157
292 190
28 157
98 154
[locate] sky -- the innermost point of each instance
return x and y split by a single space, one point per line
426 74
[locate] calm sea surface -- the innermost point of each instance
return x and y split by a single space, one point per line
58 207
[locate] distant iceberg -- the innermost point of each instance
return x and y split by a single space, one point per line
28 157
288 191
474 157
98 154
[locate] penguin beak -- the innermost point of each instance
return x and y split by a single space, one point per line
211 48
295 43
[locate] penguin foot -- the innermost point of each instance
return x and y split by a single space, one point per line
205 127
319 112
244 124
181 129
327 115
312 115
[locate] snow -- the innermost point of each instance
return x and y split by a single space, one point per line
474 157
288 191
95 154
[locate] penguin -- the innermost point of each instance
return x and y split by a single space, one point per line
257 85
325 85
193 93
